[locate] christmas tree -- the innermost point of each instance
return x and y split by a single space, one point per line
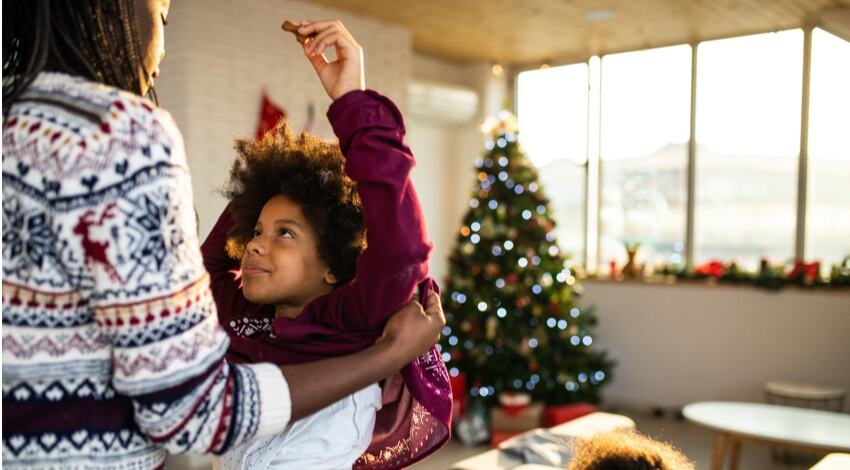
512 320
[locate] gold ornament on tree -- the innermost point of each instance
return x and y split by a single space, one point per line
503 123
488 229
524 347
523 301
491 326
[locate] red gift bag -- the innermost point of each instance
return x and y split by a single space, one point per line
555 415
458 385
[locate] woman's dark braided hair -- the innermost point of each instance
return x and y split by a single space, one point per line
93 39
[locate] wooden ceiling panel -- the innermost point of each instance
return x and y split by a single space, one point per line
532 31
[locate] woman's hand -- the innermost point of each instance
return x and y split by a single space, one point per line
408 334
346 72
412 331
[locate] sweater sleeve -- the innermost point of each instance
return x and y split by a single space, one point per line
371 136
224 272
131 246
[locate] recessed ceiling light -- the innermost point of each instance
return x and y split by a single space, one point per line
599 15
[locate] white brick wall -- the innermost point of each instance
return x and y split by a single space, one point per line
445 152
219 56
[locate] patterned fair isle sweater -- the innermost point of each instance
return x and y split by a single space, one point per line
112 352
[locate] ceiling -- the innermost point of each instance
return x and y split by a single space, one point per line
526 32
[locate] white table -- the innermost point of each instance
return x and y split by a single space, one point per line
833 462
783 426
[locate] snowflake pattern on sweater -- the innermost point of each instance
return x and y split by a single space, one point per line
112 352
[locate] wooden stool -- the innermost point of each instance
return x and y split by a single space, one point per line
802 395
805 395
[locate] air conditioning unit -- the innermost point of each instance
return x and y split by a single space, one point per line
441 102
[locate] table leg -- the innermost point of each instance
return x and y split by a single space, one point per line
736 453
719 451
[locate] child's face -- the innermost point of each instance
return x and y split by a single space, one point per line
281 265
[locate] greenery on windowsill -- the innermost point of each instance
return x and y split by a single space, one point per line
770 277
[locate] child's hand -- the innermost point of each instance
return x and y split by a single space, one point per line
346 72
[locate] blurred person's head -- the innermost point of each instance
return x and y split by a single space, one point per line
116 42
626 450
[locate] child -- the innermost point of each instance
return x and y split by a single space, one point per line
296 221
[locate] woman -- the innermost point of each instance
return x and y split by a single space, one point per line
112 352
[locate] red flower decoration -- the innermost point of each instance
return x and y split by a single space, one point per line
713 269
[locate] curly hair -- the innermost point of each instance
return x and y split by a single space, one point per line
310 172
626 450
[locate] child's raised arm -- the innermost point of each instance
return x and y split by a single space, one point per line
371 136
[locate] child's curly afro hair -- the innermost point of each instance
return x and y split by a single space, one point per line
310 172
626 450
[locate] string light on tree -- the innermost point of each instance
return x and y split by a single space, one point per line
509 297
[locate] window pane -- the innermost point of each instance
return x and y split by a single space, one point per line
644 149
552 115
828 214
748 142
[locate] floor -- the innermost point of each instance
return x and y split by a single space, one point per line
697 443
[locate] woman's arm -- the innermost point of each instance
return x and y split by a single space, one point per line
408 334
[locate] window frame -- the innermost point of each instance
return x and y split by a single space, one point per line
592 167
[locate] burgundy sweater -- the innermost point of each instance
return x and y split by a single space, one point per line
416 414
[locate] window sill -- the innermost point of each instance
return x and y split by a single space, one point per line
711 284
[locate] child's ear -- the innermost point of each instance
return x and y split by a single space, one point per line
330 279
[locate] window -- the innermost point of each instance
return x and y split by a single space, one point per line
828 200
645 129
552 116
749 92
633 113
